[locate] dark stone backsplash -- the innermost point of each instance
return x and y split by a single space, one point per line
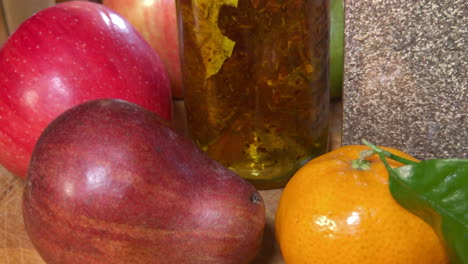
406 82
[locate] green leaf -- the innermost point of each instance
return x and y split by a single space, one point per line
436 190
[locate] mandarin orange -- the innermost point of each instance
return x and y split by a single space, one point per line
330 212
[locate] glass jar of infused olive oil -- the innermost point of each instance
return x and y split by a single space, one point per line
255 76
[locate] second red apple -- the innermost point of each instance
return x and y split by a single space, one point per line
156 20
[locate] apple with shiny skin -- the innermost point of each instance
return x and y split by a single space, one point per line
67 54
110 182
156 20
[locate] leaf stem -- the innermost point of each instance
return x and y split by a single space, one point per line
388 154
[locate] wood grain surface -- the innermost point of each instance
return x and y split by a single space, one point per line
16 248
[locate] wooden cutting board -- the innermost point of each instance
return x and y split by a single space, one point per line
16 248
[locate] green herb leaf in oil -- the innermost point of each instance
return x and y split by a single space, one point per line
215 47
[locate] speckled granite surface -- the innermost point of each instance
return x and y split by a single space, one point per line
406 68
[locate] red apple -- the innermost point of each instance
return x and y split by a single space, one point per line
157 21
110 182
67 54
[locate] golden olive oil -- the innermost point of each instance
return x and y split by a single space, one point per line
255 75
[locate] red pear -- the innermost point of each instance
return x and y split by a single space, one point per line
111 182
